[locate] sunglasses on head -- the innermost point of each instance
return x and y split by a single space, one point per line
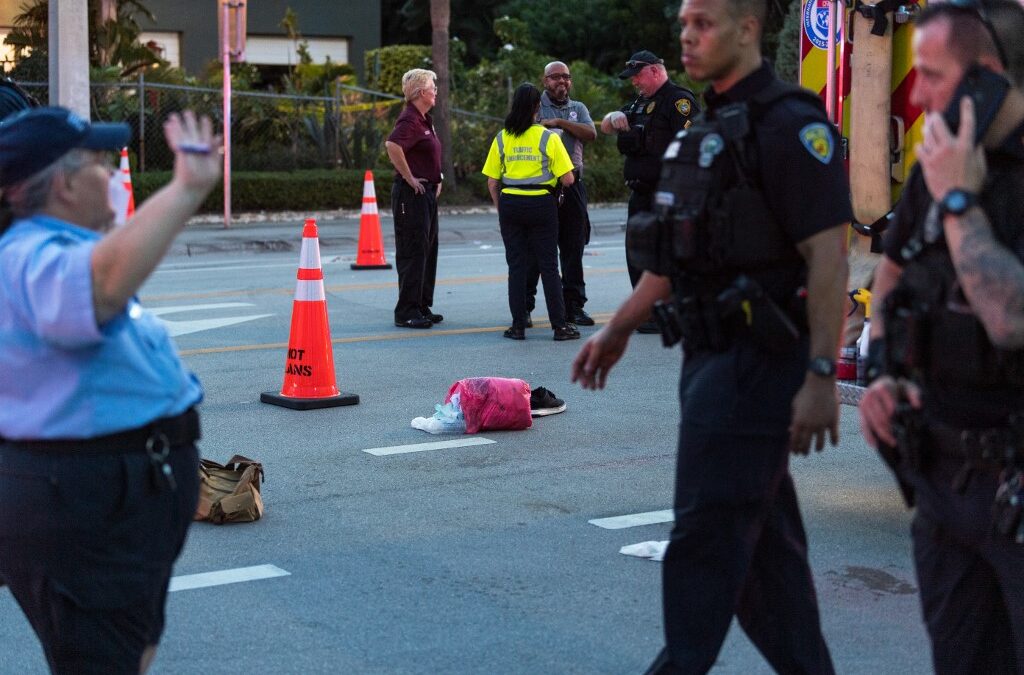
976 9
642 64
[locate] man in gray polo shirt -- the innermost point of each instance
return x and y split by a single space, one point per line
571 120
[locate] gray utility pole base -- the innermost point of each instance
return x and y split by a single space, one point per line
274 398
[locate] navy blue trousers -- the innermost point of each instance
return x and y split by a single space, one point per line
529 228
971 578
738 546
573 235
639 201
87 545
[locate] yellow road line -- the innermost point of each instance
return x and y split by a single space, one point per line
343 288
383 337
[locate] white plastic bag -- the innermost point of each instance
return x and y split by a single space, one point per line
447 419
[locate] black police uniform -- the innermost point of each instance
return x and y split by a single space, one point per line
970 438
653 122
738 546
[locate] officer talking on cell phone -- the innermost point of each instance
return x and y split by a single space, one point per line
946 407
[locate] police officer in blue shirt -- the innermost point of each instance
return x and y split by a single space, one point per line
98 463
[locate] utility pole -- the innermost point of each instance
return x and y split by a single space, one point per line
232 49
69 55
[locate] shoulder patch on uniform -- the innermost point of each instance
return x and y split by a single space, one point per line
683 106
650 107
817 138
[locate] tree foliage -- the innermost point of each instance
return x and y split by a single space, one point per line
113 35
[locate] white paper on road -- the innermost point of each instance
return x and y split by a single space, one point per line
634 520
221 577
653 550
437 445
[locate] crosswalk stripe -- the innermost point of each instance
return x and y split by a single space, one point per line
634 520
221 577
436 445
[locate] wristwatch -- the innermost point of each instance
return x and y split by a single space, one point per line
823 366
957 201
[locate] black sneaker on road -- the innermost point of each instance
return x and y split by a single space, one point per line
543 402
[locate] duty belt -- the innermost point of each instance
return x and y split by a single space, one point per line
996 447
171 432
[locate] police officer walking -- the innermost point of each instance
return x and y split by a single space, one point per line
751 274
947 407
644 129
571 121
98 463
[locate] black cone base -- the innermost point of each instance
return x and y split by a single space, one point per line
275 398
385 266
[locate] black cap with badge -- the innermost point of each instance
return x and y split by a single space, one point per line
638 62
32 140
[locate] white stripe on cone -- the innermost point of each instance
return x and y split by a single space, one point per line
309 258
310 290
368 191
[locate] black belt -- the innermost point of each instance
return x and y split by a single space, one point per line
424 183
997 446
170 432
641 186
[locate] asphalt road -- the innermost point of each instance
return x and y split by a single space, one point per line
473 559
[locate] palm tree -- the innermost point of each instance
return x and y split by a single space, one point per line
113 35
440 18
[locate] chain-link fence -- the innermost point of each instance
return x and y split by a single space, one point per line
276 132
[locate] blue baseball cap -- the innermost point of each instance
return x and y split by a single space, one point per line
32 140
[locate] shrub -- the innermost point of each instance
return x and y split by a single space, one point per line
310 190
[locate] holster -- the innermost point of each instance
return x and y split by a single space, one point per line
908 428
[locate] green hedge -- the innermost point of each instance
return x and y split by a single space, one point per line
311 190
328 189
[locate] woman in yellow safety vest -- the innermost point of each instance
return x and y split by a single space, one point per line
528 162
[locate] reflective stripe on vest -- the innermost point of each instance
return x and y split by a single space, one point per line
545 163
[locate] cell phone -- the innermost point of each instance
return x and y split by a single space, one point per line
987 89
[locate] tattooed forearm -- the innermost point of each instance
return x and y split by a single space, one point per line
992 278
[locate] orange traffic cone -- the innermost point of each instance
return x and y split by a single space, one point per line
309 365
371 243
126 178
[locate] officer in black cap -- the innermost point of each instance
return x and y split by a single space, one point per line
644 129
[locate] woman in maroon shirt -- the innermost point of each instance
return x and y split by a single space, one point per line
415 152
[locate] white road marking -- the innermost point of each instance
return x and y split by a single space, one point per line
221 577
437 445
174 309
634 520
177 328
